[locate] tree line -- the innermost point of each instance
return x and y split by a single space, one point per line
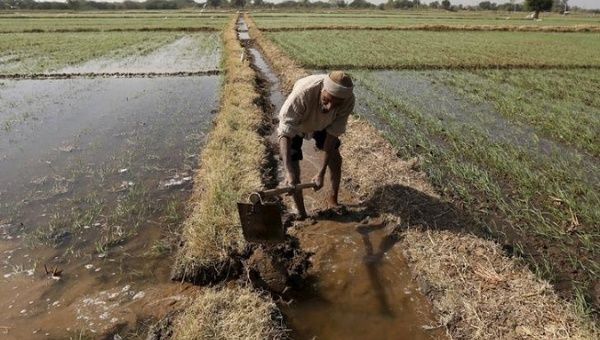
82 5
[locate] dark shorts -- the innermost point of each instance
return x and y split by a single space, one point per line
318 136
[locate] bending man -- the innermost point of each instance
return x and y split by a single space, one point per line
317 108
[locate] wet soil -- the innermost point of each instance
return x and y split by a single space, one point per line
94 174
359 285
280 267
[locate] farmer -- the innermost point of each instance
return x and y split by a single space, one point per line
317 108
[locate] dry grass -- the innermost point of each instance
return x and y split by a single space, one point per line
229 168
479 293
432 27
230 313
390 171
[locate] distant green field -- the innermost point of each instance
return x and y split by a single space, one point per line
41 52
107 23
425 49
505 146
382 19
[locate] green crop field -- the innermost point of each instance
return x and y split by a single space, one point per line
423 49
380 19
108 23
529 184
42 52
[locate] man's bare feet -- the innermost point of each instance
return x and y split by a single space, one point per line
332 202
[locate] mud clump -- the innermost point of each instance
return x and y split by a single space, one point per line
230 268
277 268
163 329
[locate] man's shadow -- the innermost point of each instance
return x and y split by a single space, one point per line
373 261
416 208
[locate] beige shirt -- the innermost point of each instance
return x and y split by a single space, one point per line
301 113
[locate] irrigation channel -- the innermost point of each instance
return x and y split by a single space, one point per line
94 175
361 286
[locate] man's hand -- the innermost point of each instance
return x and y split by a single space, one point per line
290 179
318 180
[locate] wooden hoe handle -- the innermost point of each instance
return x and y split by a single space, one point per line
287 190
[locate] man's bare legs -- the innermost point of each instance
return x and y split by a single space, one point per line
298 197
335 175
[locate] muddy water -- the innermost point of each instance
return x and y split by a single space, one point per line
362 287
94 174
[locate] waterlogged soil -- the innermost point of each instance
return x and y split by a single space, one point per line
94 174
190 53
360 286
420 92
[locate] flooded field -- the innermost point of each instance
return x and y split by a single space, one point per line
111 52
190 53
94 177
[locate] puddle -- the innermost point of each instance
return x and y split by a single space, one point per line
94 175
362 287
242 30
191 53
363 290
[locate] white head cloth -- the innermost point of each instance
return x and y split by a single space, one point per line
336 89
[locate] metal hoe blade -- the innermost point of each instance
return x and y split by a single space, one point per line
261 222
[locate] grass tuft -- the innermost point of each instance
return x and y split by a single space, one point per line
230 313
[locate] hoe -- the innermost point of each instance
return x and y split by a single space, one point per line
261 221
